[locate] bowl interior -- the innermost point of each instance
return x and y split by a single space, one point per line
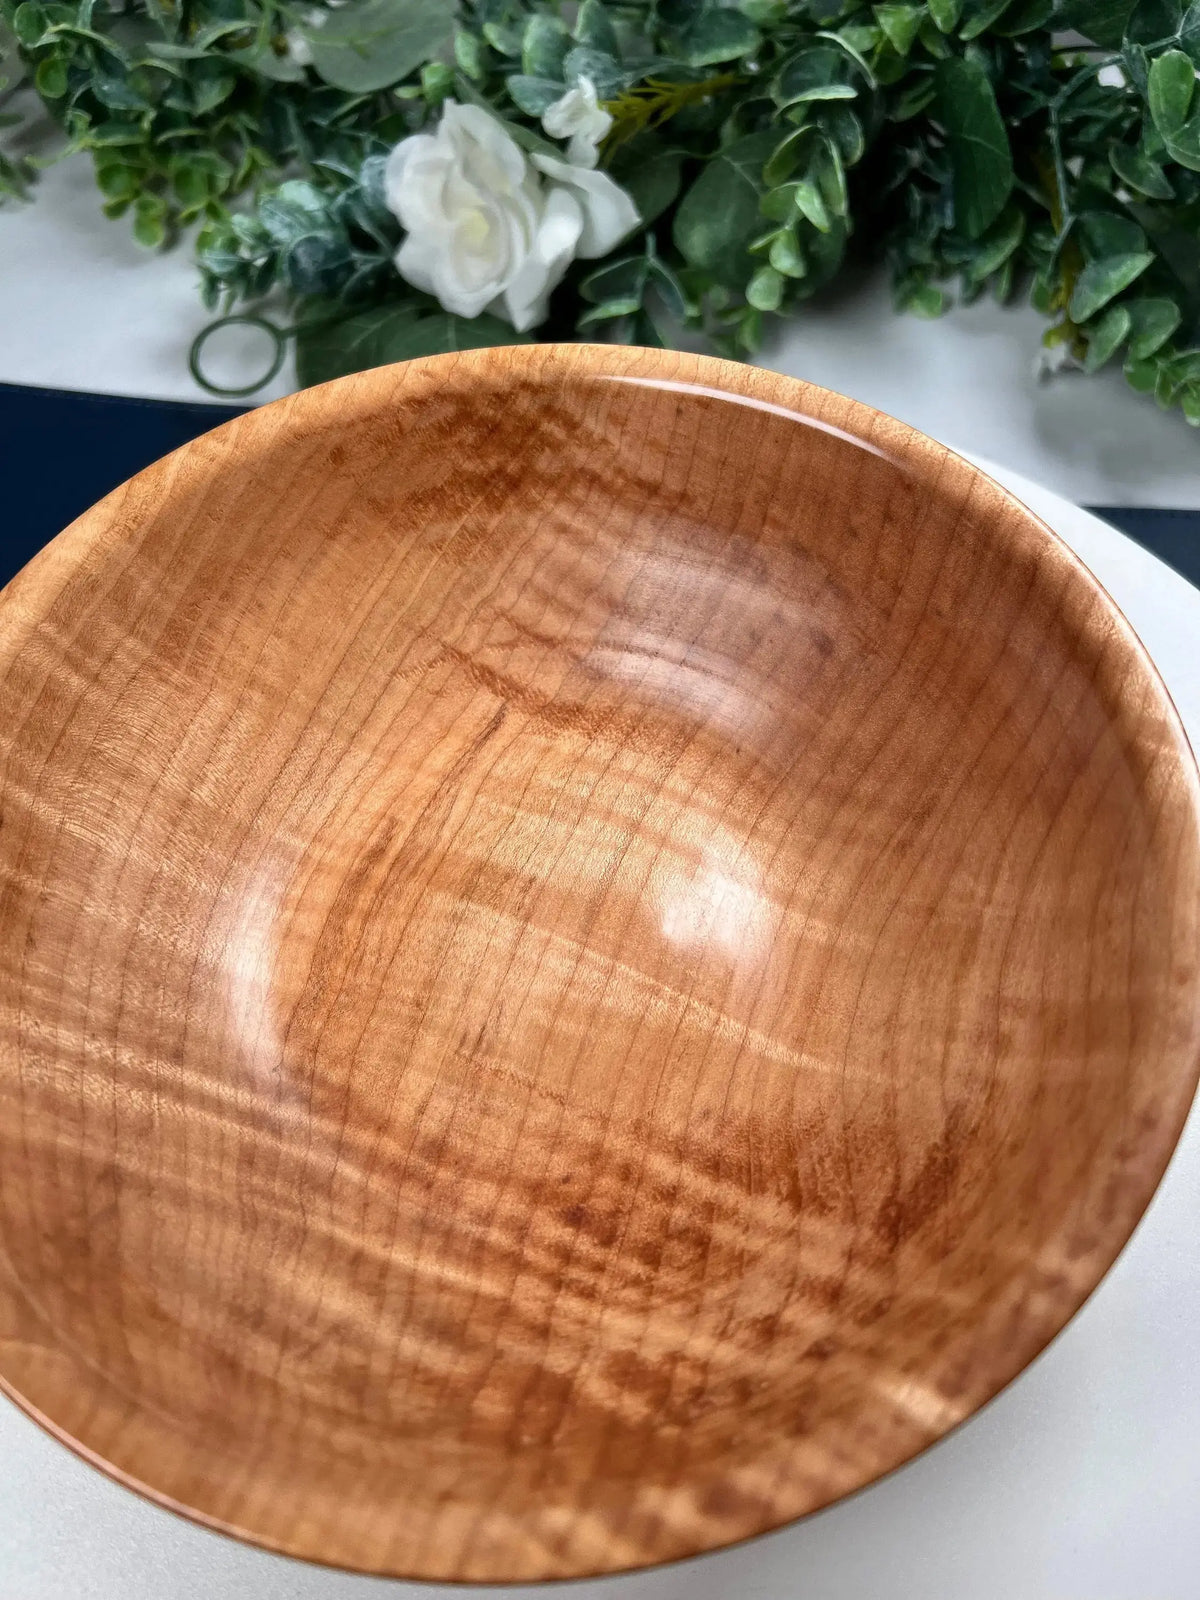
596 948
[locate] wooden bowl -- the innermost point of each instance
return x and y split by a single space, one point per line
597 946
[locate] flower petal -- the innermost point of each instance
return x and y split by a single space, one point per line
526 299
578 116
495 152
608 212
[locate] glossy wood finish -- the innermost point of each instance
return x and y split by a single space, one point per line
596 947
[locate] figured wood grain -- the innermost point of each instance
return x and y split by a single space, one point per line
595 948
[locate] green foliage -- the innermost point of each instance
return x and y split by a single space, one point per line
720 215
330 344
960 140
980 158
370 44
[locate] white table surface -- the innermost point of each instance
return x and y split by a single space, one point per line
1081 1481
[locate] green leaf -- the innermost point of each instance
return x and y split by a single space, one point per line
935 42
395 332
505 41
616 280
149 222
820 73
842 125
317 264
1184 146
1189 401
998 243
1171 85
223 28
190 185
166 50
296 208
645 332
437 81
261 58
1153 322
544 47
852 42
921 299
607 310
1106 337
594 28
716 36
1139 173
1189 31
786 255
1141 375
108 134
370 44
983 13
980 157
50 79
533 95
1026 16
649 172
1101 280
120 91
29 23
719 215
945 14
825 252
786 156
831 180
1135 64
212 82
765 289
1153 20
470 53
669 289
1104 233
810 202
914 99
779 205
604 70
1102 21
899 24
116 182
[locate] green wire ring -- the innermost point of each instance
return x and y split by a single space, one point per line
278 335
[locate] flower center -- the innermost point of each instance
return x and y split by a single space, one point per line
475 228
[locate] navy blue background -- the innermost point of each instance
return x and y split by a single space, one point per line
60 452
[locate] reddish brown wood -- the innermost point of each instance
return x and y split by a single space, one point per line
596 947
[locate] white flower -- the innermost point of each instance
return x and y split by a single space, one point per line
579 117
608 212
1111 76
484 230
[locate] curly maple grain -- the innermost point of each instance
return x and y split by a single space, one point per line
595 948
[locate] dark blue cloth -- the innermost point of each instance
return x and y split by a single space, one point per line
59 452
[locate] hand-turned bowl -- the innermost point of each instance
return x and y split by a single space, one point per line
596 947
